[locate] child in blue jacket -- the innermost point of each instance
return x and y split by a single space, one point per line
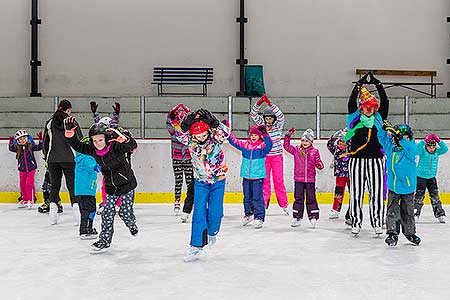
253 172
86 169
400 149
429 151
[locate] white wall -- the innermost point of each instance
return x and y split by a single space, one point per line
153 168
308 47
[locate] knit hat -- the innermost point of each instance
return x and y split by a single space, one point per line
268 112
255 130
367 99
64 105
308 135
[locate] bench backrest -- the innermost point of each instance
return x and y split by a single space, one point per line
396 72
182 75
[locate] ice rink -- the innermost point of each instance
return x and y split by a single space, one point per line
39 261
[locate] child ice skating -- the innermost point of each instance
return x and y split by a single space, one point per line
338 148
273 118
181 161
24 146
108 146
306 160
253 172
205 135
86 169
429 151
400 149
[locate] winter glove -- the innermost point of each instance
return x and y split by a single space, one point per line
434 137
387 126
70 124
319 165
226 123
94 107
267 100
363 80
208 118
374 80
97 168
116 108
39 135
188 121
290 131
263 129
117 136
261 100
11 140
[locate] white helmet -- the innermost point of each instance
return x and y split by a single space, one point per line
106 121
20 133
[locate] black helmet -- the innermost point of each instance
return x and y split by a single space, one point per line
268 112
98 128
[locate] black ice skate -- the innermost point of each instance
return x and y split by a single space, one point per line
134 230
44 208
413 239
60 208
99 247
91 234
392 240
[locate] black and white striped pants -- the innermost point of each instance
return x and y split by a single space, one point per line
368 171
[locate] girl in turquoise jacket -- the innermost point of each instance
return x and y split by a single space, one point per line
429 151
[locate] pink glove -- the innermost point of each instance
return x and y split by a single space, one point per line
290 131
267 100
11 140
320 165
261 100
225 122
39 135
436 138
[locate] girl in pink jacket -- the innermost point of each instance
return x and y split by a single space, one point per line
306 160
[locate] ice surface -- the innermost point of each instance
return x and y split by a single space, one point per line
39 261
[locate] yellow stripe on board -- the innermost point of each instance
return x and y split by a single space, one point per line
230 197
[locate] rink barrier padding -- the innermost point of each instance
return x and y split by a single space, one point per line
230 197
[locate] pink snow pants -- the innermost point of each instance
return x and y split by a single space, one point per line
274 167
27 185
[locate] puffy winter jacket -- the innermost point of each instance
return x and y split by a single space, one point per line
119 177
304 165
400 164
253 164
428 163
340 163
26 162
85 175
179 150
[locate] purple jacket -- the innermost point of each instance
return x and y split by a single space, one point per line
179 150
305 161
26 161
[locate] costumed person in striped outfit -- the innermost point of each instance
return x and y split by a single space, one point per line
205 136
366 163
181 161
273 118
400 147
429 151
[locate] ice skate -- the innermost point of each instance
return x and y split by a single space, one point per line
247 220
313 222
258 223
44 208
391 240
194 254
348 224
177 207
442 219
211 240
30 204
22 204
134 230
334 214
76 214
378 231
413 239
53 213
296 222
99 247
286 210
100 209
91 234
60 207
356 231
184 217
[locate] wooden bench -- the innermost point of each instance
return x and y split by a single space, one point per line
405 84
182 76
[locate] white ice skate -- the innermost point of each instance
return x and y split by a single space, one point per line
356 231
100 209
442 219
211 240
76 214
296 222
53 213
184 217
194 254
247 220
22 204
177 207
348 224
378 231
258 223
416 218
286 210
313 222
334 214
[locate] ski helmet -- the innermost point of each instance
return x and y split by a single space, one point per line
20 133
106 121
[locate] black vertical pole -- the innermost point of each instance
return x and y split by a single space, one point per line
35 62
448 61
241 61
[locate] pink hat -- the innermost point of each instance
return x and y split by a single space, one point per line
255 130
